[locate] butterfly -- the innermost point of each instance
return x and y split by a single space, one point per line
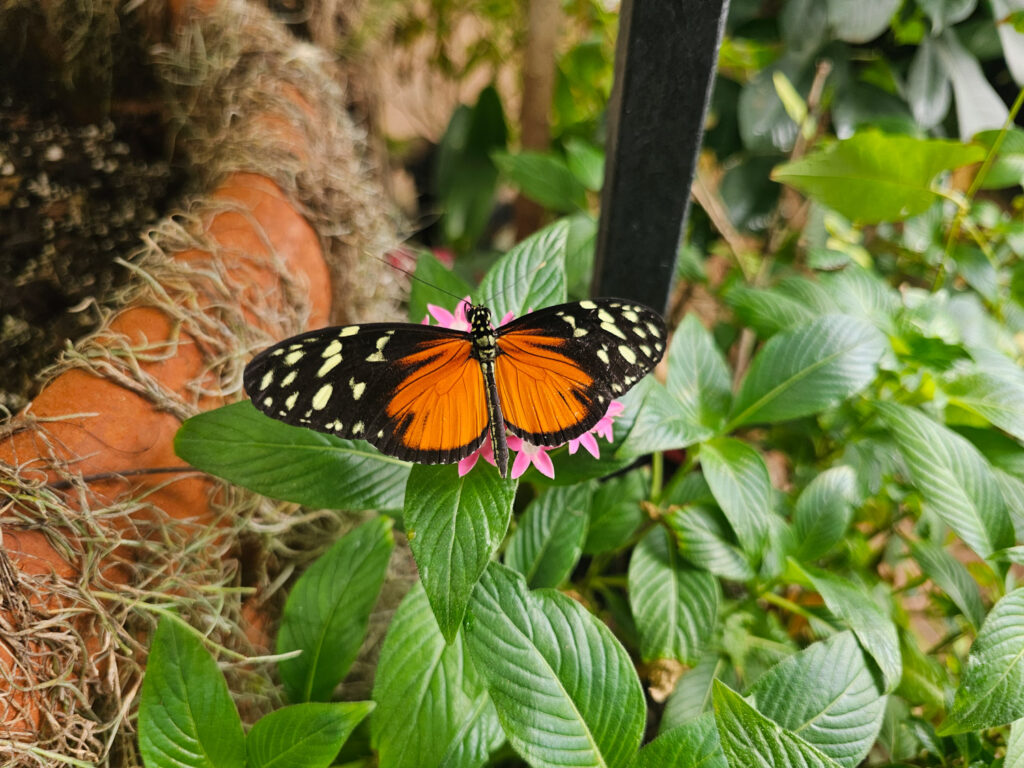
432 395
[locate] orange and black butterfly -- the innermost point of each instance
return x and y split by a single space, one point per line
433 395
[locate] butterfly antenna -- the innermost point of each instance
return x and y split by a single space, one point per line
419 279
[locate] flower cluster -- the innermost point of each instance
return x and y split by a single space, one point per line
526 453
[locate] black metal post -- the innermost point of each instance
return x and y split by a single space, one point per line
664 65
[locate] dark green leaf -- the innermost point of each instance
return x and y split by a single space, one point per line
824 511
829 695
434 284
432 708
751 740
615 512
548 540
303 735
240 444
530 276
557 708
662 422
952 577
874 177
455 525
999 399
329 608
954 478
544 178
857 22
693 745
586 163
804 371
739 480
991 692
768 311
186 716
674 604
698 377
706 540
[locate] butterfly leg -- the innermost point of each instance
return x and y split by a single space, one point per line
496 420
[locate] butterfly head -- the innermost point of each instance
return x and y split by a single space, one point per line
479 318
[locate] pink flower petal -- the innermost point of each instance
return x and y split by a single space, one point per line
588 441
520 465
543 463
442 315
468 463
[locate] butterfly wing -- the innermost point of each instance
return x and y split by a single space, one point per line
413 391
559 368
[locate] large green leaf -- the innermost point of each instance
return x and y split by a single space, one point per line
303 735
662 422
530 276
991 691
739 480
240 444
954 478
768 311
824 511
861 613
999 399
432 708
807 369
186 716
698 377
544 178
707 541
952 577
828 695
858 22
692 745
873 177
615 512
751 740
558 708
455 525
328 611
673 603
548 540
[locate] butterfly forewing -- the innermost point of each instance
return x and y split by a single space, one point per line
413 391
559 368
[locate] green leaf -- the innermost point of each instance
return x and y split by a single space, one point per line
946 13
991 691
861 613
857 22
586 163
952 577
1015 746
531 275
707 541
928 90
329 608
824 511
548 541
954 478
186 716
829 695
808 369
999 399
432 707
873 177
240 444
698 377
738 478
615 512
544 178
752 740
466 176
434 284
557 708
303 735
579 254
768 311
692 696
673 603
692 745
1008 168
455 525
662 422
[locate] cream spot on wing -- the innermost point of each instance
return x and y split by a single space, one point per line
277 352
605 317
380 433
568 318
357 428
350 330
332 349
358 387
627 354
579 332
378 357
646 350
630 315
287 380
654 330
328 365
322 397
602 355
588 305
268 401
267 379
613 330
290 402
293 357
335 425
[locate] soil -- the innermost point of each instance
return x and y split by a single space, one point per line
73 200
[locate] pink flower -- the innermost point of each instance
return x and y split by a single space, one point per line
528 454
603 428
444 318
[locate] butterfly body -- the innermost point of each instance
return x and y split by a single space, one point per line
433 395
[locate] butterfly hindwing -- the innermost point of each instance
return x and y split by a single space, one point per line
413 391
559 368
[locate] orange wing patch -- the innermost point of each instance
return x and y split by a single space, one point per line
440 405
544 395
